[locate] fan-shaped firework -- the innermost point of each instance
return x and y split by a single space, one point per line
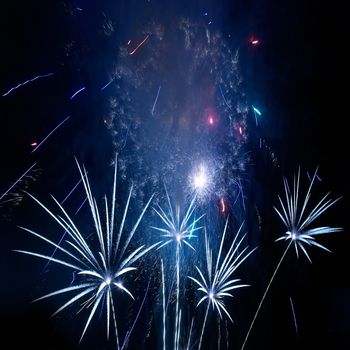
297 224
100 269
219 283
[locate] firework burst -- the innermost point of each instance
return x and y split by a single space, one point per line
178 229
219 284
100 270
297 220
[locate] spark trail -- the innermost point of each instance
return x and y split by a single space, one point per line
62 122
127 337
156 99
107 84
17 181
27 82
256 112
71 191
139 45
294 317
77 92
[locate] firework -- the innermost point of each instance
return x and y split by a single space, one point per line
297 222
100 270
219 284
177 229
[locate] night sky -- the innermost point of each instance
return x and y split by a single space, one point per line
185 94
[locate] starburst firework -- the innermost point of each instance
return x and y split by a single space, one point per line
219 284
178 229
100 270
297 223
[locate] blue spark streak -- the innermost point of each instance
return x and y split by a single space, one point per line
294 317
49 134
156 99
77 92
256 112
71 191
27 82
106 85
17 181
136 318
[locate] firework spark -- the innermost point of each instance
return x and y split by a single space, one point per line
17 181
139 45
77 92
100 270
51 132
219 283
27 82
297 223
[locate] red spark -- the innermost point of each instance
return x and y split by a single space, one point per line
240 130
139 45
129 41
211 120
33 144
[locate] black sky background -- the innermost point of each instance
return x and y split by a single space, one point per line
298 74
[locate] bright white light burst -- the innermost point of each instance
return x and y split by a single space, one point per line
201 180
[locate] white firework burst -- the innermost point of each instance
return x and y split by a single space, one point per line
100 268
219 283
297 221
178 229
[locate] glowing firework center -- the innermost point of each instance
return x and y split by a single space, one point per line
201 181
